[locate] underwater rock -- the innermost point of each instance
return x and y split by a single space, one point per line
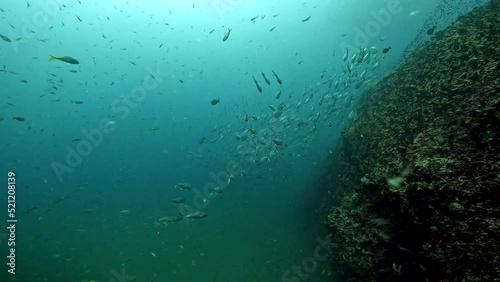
422 154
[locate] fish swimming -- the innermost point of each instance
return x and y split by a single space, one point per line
65 59
217 190
196 215
185 186
226 35
177 200
5 38
265 78
277 77
215 101
171 218
18 118
257 84
278 141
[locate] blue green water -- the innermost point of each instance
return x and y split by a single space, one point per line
98 147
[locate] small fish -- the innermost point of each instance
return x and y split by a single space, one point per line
73 71
33 208
346 54
5 38
185 186
215 101
171 218
153 128
265 78
272 28
65 59
405 249
24 81
414 13
278 95
216 190
78 102
254 18
278 142
386 50
226 35
18 118
76 140
277 77
197 215
78 18
177 200
58 200
212 31
306 19
202 140
257 84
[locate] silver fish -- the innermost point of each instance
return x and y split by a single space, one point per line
185 186
171 218
196 215
177 200
265 78
226 35
257 84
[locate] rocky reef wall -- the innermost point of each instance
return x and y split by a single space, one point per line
416 177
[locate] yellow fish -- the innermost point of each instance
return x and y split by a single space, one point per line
65 59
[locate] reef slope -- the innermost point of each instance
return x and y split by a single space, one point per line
416 177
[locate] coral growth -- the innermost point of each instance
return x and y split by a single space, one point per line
417 173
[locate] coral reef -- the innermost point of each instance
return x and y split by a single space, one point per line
417 174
